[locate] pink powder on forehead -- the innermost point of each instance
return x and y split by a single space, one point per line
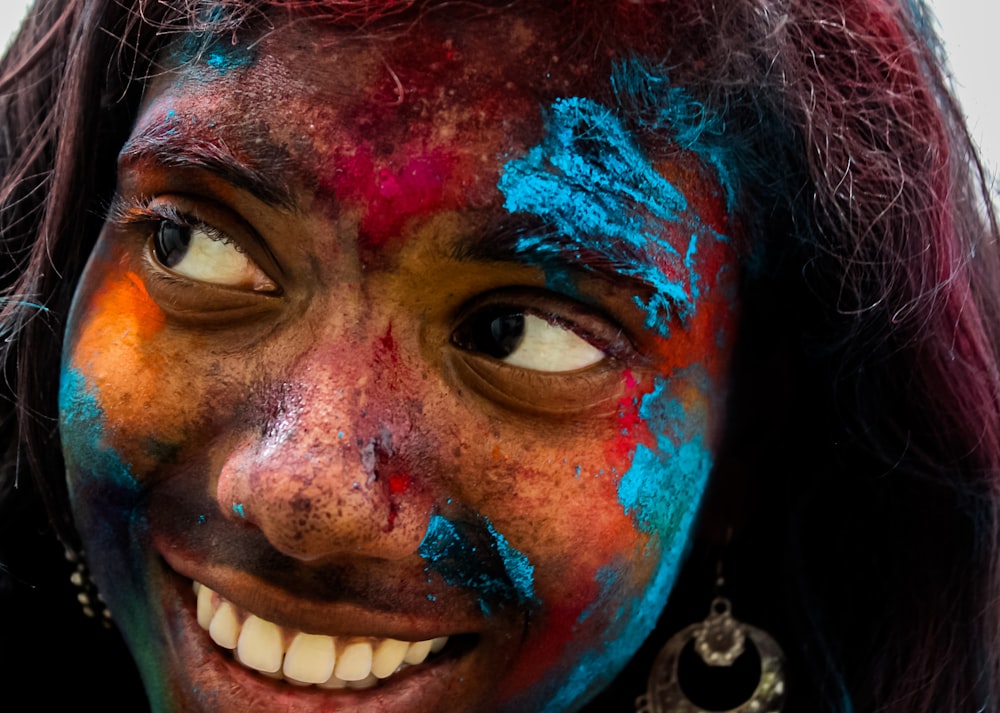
390 195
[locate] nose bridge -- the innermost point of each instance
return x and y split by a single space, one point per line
326 472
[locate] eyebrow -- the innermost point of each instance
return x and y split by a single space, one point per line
166 146
663 277
525 239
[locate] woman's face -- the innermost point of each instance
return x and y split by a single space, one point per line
395 339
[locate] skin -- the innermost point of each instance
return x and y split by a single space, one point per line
295 438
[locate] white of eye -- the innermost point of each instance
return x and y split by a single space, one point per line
548 347
207 257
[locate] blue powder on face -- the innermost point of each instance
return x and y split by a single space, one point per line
519 570
661 483
239 510
222 57
81 427
592 183
473 555
227 59
598 190
661 491
647 95
595 187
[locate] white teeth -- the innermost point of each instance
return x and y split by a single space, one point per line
333 683
417 652
388 656
367 682
309 659
260 645
355 662
225 627
306 659
205 607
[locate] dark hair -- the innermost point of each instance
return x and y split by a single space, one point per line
861 468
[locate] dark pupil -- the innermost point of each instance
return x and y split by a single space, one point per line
496 334
171 243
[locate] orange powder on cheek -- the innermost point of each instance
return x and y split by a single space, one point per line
114 346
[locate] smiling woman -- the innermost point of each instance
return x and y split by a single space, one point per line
398 370
300 387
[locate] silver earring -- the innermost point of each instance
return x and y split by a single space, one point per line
87 595
719 641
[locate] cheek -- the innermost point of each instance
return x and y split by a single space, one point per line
119 391
613 521
608 515
106 387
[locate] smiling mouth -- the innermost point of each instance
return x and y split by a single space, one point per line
302 658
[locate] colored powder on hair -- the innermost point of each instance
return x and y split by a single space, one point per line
212 45
474 555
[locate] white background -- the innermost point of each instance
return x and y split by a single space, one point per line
967 26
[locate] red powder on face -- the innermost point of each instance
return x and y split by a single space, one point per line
628 409
387 347
562 621
620 448
389 195
386 362
399 483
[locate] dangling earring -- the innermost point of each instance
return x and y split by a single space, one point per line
718 643
87 595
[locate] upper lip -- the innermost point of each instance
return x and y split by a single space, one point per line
412 618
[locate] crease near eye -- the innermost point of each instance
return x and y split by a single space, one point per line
525 340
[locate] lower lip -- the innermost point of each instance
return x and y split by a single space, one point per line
214 681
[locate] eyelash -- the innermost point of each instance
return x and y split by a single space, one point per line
613 347
140 212
561 311
148 211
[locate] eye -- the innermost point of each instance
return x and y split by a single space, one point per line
202 253
525 340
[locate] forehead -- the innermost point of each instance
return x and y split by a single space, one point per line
416 119
451 73
307 98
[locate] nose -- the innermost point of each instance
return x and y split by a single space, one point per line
329 468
